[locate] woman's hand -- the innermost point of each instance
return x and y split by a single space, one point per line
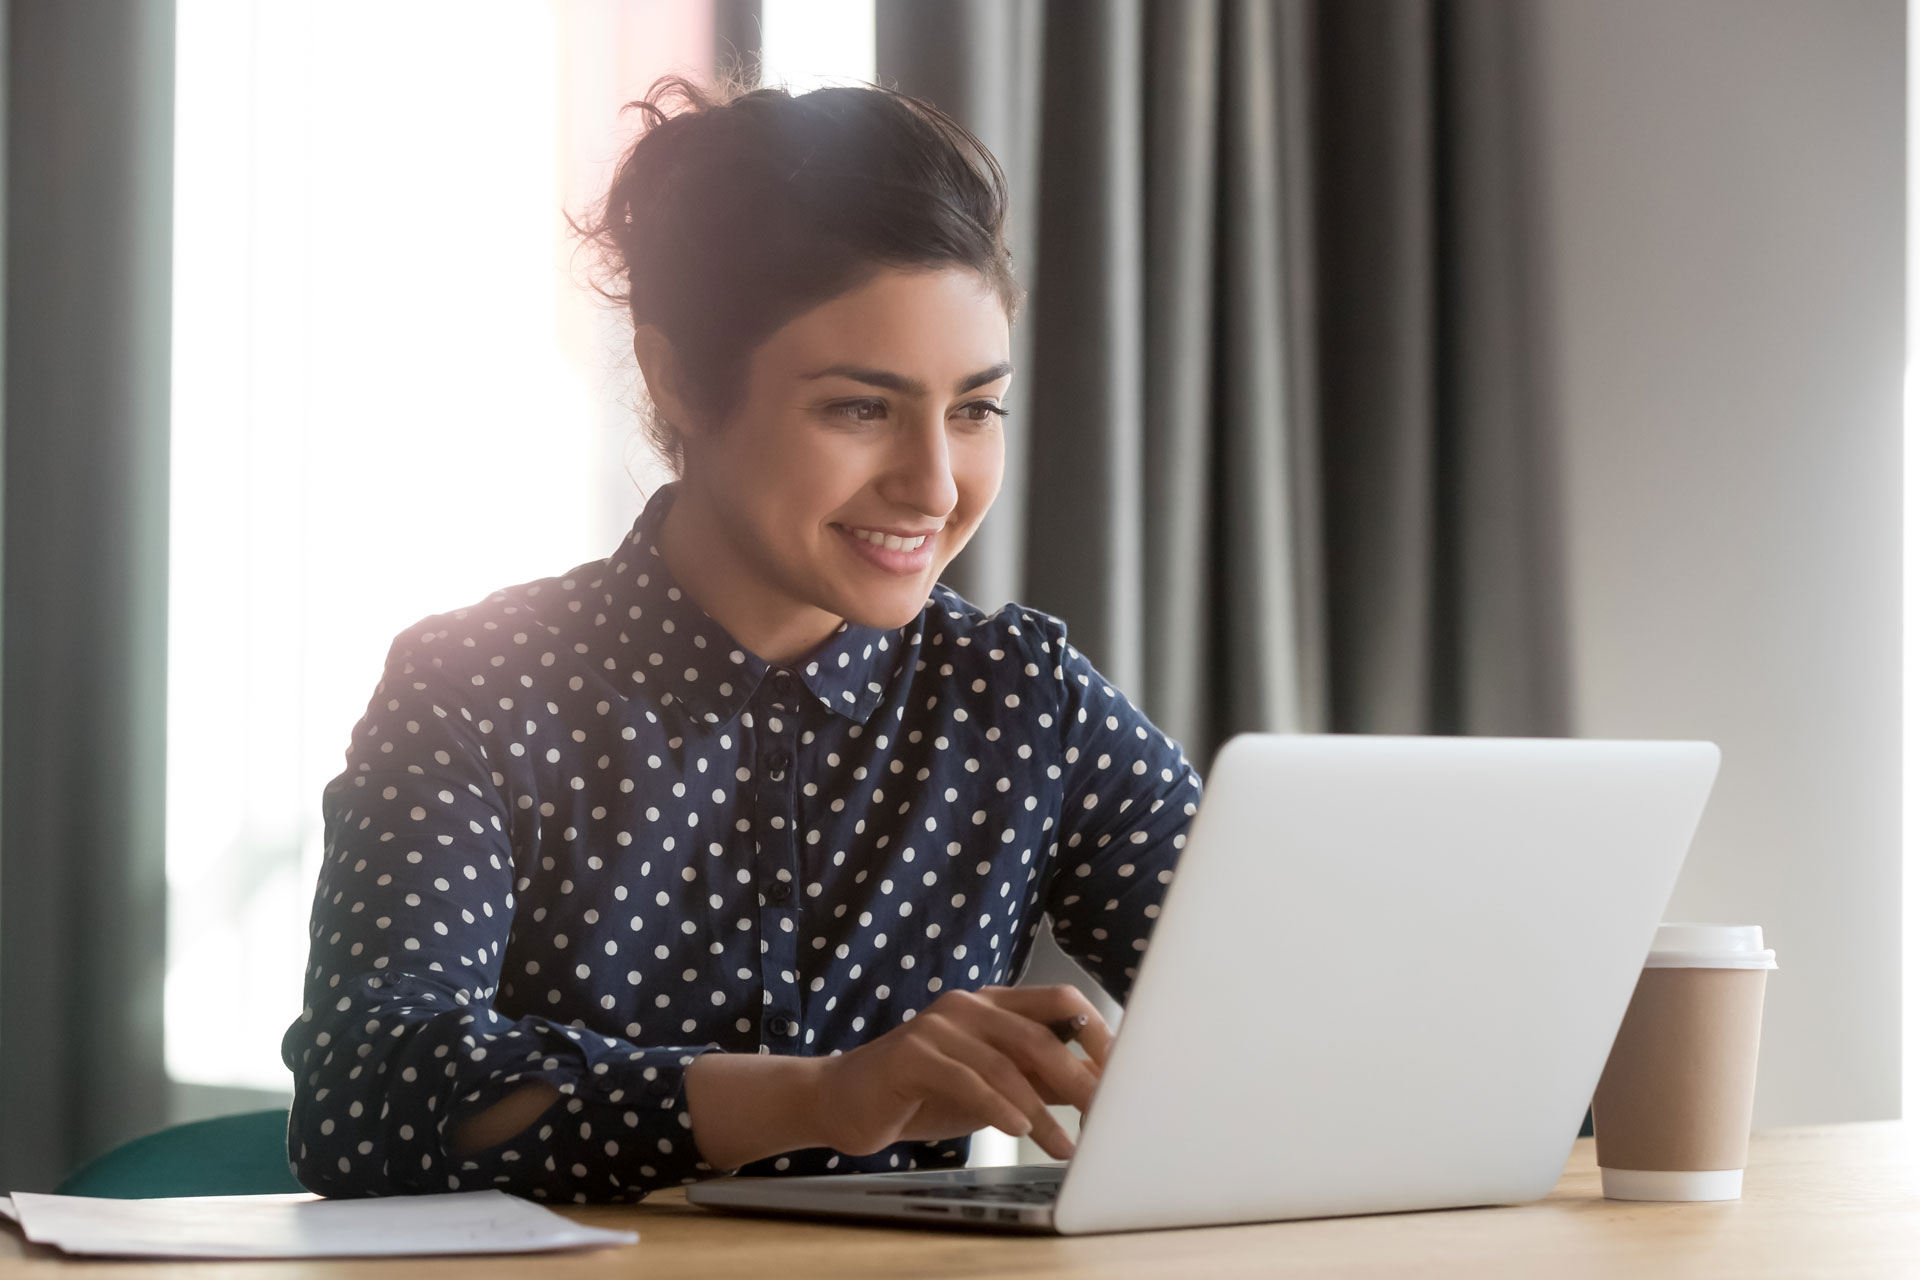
969 1059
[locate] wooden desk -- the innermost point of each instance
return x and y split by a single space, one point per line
1834 1200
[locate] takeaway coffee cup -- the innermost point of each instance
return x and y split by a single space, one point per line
1675 1103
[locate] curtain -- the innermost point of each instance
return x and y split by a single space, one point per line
1282 460
736 38
89 147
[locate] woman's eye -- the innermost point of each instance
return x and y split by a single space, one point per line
859 410
982 411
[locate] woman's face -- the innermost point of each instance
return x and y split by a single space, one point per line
867 445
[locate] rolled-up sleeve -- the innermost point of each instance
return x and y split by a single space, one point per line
398 1041
1128 797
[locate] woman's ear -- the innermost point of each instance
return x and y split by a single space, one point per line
665 376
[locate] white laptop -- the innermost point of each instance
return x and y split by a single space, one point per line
1385 977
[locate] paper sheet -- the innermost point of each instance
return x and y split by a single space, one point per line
300 1226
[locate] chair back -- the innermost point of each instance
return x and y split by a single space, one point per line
236 1155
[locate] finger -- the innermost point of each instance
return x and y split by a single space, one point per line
1060 1075
1053 1002
950 1078
996 1068
1040 1054
1067 1031
1053 1138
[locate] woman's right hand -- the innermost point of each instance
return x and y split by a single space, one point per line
969 1059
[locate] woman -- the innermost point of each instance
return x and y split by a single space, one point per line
715 855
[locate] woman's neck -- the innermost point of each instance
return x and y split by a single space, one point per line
736 593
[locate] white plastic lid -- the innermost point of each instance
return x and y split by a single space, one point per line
1709 946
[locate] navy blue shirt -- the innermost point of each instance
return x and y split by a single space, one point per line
582 837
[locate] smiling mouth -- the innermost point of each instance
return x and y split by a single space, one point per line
884 540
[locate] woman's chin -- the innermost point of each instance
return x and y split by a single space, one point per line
885 611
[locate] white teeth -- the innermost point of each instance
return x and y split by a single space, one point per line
889 541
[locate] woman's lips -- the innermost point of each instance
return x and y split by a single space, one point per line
898 551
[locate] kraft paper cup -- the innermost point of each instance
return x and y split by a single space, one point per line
1675 1103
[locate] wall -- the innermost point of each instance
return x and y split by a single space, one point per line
1723 183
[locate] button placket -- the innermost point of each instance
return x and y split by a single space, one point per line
777 807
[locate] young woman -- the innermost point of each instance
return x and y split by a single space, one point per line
716 855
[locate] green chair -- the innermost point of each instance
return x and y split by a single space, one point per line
239 1155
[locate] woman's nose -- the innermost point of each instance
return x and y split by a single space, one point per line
921 474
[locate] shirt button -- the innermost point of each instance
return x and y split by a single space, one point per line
780 1026
779 891
778 762
783 684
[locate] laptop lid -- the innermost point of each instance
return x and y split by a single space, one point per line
1386 976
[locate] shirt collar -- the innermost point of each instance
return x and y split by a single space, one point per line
673 650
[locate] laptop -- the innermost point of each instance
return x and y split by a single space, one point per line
1385 977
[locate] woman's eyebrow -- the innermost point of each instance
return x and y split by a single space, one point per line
888 381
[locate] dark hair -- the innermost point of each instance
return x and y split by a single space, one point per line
736 210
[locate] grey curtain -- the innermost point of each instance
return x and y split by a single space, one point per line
89 181
1282 460
736 38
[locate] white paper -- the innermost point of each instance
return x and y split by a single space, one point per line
301 1226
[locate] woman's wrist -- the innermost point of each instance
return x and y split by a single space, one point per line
745 1107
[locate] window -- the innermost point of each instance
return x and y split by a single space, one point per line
392 395
805 44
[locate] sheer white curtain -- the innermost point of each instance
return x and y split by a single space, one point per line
391 396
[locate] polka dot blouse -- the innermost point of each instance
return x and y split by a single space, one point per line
583 837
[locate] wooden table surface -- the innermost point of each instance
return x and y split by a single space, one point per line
1832 1200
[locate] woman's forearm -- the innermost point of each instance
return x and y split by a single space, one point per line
742 1106
747 1106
